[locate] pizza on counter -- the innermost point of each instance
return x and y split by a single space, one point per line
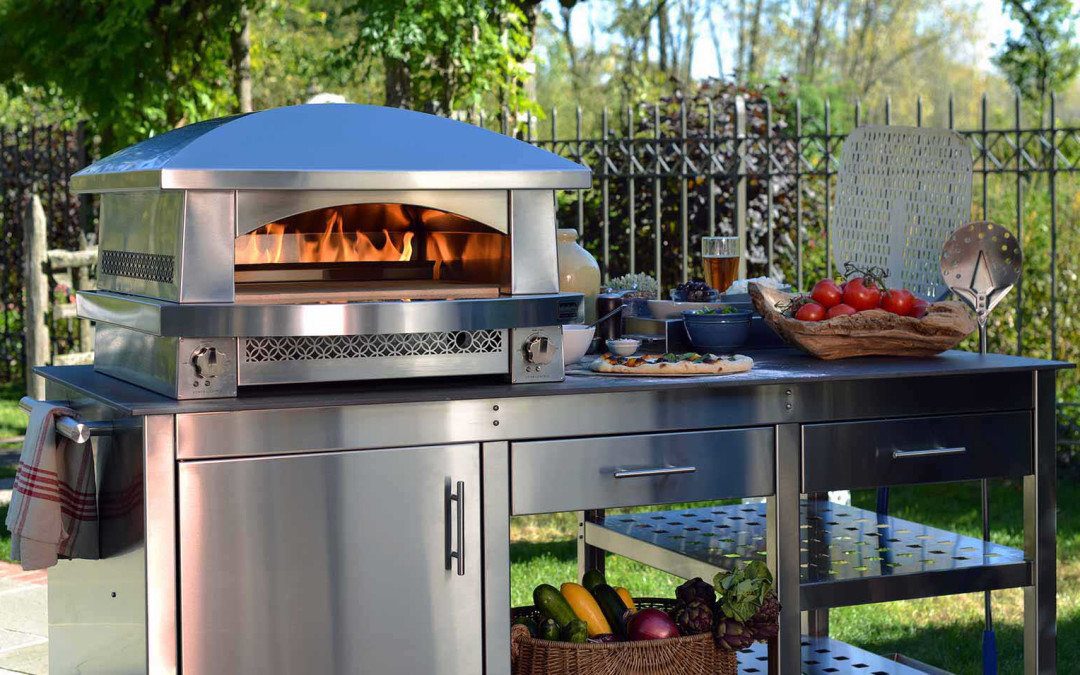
689 363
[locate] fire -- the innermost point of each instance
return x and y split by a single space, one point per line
275 243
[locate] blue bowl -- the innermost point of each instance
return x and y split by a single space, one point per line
717 333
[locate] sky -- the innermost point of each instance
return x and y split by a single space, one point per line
995 26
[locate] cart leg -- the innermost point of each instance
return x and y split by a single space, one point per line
782 544
1040 531
588 557
496 514
815 622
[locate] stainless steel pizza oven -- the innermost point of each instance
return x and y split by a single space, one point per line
325 243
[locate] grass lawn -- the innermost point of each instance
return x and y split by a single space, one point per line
945 632
12 418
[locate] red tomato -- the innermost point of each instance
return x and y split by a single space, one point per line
840 310
860 296
811 311
897 301
918 308
826 293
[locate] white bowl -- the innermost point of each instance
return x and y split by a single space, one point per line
575 342
669 309
623 346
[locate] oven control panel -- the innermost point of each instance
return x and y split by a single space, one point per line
207 368
536 355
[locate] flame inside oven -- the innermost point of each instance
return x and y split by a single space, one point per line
279 243
371 243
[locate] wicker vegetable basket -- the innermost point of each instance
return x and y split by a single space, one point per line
690 655
870 333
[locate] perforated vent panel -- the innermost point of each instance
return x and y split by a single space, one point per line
148 266
312 348
900 193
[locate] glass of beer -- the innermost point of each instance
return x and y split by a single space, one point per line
721 258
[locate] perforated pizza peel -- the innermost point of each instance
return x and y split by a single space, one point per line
980 263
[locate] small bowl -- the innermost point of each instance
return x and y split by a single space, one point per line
575 342
623 346
717 333
671 309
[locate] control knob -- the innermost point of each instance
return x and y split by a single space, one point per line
539 350
205 362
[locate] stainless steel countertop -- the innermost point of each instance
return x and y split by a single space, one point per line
772 367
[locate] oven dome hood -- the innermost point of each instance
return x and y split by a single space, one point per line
340 146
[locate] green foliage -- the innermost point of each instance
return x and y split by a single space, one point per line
134 68
1045 56
452 54
293 56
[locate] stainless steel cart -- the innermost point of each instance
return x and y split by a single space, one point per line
366 529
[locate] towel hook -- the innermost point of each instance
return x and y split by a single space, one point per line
76 430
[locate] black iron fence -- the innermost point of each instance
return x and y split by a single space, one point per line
668 173
35 160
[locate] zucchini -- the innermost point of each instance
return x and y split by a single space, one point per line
584 605
627 600
613 607
576 631
549 630
553 605
592 579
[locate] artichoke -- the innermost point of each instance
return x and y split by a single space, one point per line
694 617
732 635
696 589
764 624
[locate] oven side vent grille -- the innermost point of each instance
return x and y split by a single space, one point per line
147 266
325 347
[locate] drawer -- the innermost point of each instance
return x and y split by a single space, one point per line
915 450
613 471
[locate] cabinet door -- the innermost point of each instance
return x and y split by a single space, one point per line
331 563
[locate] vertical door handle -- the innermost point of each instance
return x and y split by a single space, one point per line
459 499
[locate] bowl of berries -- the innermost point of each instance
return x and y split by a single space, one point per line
861 315
687 296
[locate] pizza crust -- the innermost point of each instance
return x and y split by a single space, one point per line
722 366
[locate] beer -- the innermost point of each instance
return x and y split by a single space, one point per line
721 271
720 256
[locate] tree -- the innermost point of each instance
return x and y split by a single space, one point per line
134 68
1044 57
442 54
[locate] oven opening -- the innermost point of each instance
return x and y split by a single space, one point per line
371 252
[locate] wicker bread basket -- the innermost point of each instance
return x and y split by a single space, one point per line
689 655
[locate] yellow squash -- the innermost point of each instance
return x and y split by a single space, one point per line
586 608
625 595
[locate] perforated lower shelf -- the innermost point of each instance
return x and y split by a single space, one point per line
848 555
825 656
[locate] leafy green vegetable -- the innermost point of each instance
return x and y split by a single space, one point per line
722 309
743 590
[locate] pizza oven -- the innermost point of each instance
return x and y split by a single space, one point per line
324 243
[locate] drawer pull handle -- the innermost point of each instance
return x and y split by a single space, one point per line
657 471
929 452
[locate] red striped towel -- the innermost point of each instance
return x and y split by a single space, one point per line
53 510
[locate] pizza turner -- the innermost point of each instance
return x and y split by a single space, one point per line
672 364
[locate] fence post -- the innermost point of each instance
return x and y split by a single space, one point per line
35 329
740 184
